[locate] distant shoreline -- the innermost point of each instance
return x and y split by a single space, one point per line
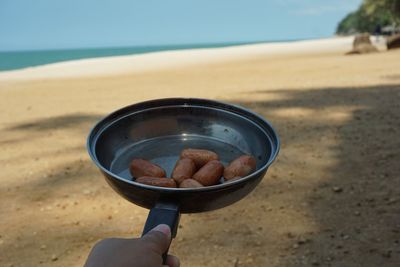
13 60
125 64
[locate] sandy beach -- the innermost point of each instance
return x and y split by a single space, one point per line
331 198
166 60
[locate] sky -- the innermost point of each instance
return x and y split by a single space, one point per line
61 24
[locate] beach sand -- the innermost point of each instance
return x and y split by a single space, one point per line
330 199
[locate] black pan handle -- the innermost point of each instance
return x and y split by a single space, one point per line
163 213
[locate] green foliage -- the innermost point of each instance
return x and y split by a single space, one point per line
370 14
373 7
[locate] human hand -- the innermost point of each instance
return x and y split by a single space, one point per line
137 252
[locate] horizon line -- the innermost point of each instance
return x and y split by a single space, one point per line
227 43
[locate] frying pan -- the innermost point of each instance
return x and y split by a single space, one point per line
158 130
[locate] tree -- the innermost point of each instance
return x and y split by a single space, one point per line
390 8
370 14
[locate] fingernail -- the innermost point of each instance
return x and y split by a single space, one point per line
173 261
163 228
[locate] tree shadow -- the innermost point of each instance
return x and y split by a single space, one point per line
59 122
331 198
63 202
394 77
338 171
26 132
44 131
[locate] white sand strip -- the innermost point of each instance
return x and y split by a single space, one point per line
170 59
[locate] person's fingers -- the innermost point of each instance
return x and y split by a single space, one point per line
172 261
158 239
164 229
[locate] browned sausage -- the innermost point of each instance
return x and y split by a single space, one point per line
190 183
233 179
156 181
184 169
210 173
199 156
141 167
242 166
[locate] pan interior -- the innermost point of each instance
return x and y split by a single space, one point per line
164 151
159 134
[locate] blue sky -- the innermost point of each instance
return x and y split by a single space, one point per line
56 24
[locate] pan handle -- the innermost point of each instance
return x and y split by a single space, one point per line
163 213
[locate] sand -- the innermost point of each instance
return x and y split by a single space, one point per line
331 198
167 60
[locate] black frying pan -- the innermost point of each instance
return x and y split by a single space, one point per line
158 130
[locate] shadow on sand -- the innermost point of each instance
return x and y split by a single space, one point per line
338 171
346 142
60 122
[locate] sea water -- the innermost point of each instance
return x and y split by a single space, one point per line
21 59
10 60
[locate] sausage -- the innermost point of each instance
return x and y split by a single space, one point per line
199 156
141 167
233 179
184 169
190 183
156 181
242 166
210 173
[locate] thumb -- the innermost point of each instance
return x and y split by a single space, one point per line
158 239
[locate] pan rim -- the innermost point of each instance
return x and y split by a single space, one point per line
116 115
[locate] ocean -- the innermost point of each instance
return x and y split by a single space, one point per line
22 59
